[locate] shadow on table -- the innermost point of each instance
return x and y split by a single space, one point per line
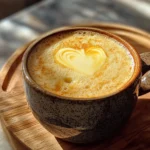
135 134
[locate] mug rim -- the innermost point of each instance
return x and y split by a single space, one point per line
133 52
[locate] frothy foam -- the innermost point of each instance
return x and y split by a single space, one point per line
86 61
81 64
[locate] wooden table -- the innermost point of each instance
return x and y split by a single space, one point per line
26 25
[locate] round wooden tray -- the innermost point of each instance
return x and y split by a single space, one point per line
26 133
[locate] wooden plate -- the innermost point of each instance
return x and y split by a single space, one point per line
24 132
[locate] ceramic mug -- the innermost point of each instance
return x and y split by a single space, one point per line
81 120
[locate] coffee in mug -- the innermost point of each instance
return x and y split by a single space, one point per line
81 83
81 64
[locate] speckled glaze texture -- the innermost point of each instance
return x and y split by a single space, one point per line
83 121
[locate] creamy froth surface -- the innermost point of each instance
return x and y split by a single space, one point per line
80 64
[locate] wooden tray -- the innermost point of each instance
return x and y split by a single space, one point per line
24 132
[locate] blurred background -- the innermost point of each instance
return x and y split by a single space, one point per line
8 7
23 20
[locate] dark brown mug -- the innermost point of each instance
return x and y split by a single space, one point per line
82 120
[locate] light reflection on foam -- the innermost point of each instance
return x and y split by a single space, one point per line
85 61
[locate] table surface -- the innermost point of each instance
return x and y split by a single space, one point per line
26 25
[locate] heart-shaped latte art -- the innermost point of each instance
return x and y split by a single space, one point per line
84 61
